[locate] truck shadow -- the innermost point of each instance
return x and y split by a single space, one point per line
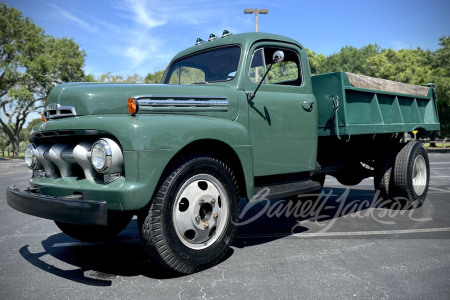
95 263
269 220
99 263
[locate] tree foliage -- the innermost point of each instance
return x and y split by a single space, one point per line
32 63
349 59
154 77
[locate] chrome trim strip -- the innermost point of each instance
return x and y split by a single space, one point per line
165 103
162 102
139 97
57 108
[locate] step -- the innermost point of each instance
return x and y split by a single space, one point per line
283 190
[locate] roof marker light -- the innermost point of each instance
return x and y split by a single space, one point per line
212 37
199 41
226 33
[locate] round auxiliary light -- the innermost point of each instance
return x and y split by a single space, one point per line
30 158
101 156
132 106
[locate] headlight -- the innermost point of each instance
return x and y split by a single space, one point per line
106 156
30 158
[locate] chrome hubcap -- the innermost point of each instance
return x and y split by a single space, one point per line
419 175
201 211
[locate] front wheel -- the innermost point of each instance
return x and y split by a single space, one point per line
190 222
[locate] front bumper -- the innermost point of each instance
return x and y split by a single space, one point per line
63 209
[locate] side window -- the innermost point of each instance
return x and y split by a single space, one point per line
286 73
186 75
258 66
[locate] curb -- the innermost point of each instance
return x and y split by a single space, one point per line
434 150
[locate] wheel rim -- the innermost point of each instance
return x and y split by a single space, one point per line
419 175
201 211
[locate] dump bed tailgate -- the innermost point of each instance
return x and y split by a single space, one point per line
351 104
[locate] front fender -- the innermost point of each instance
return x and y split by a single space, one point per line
169 134
149 142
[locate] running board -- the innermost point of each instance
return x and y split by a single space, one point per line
280 191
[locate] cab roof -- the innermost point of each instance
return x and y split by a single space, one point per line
243 39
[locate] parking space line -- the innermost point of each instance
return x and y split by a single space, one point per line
98 243
437 189
345 234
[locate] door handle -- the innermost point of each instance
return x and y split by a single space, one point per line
308 105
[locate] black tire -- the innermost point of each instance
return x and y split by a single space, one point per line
411 174
383 174
174 230
87 233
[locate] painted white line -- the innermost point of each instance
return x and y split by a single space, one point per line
437 189
344 234
99 243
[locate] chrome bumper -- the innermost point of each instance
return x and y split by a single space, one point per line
63 209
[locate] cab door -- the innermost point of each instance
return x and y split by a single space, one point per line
283 113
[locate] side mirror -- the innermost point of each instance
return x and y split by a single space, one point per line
277 57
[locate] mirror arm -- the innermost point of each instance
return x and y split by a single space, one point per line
252 95
277 57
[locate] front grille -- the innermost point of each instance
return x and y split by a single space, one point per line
63 160
59 155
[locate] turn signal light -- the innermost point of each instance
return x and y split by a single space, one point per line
133 106
43 119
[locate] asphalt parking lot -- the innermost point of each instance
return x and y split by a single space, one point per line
343 246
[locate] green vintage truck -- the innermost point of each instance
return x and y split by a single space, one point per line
234 115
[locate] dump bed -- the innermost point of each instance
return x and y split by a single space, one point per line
351 104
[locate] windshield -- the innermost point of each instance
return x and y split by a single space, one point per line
219 64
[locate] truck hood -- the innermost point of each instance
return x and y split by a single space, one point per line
101 99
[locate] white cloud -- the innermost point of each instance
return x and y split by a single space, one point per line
143 14
67 15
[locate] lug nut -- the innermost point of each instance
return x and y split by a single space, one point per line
215 215
201 201
206 225
213 201
197 218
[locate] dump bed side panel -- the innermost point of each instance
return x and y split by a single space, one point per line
352 107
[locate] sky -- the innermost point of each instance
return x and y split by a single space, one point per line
140 36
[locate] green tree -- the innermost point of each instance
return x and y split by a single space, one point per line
349 59
154 77
108 77
32 63
316 61
441 76
407 65
89 78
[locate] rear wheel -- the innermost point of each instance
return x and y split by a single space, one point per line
411 174
116 223
190 222
383 173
